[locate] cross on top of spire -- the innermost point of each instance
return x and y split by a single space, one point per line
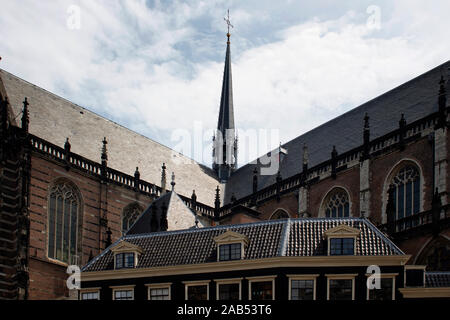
228 21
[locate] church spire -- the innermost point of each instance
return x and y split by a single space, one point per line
225 142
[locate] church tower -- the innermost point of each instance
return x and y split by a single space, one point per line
225 140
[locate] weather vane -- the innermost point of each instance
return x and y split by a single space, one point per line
227 20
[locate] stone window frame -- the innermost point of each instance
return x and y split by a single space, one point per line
385 276
90 290
351 276
395 169
150 286
66 183
332 191
261 279
188 284
122 288
228 281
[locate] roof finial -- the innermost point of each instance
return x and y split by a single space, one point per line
227 20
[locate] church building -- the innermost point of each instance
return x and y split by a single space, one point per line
73 183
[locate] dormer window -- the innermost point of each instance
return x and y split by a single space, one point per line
341 240
230 246
230 251
126 255
342 247
125 260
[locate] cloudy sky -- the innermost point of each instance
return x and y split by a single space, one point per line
156 66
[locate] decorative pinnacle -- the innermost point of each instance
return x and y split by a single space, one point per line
366 121
227 20
173 181
104 151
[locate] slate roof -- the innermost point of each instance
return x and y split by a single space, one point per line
226 113
179 216
290 237
416 98
437 279
54 118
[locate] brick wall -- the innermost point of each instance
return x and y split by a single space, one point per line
47 277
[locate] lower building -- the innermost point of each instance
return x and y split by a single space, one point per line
290 259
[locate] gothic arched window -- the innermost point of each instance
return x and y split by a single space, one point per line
64 223
279 214
406 191
337 204
129 216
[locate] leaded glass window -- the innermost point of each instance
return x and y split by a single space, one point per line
337 205
406 192
63 224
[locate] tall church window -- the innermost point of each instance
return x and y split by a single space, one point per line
130 215
337 204
406 191
63 223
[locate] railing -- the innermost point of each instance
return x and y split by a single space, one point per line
418 220
411 131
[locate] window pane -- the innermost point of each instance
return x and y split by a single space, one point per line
229 291
66 243
74 229
347 210
59 225
198 292
235 251
302 289
340 211
261 290
119 260
340 289
123 295
129 260
159 294
51 227
224 251
384 293
408 205
89 296
417 195
348 246
401 202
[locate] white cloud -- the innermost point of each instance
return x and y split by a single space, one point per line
137 64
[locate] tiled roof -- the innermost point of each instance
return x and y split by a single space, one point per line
437 279
416 98
291 237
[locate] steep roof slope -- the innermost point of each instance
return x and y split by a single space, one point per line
53 118
416 99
